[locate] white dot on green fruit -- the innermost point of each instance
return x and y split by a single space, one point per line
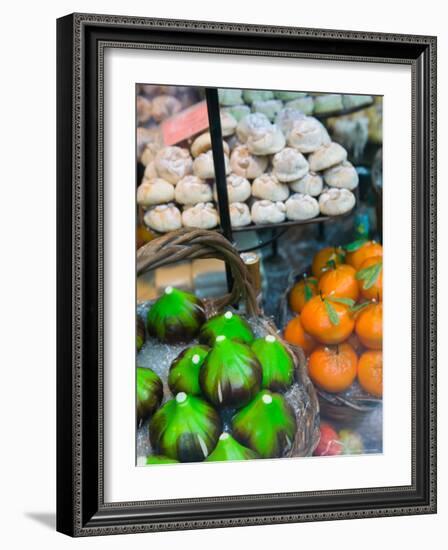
267 399
224 436
228 314
220 338
181 397
168 290
195 359
269 338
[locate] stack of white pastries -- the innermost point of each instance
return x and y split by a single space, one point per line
280 165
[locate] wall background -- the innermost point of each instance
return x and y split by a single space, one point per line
27 273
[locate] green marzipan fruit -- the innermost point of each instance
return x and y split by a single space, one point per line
228 448
185 428
231 374
149 393
276 362
230 325
176 316
140 334
160 459
267 425
184 370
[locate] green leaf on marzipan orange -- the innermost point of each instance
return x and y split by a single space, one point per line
331 312
345 301
369 275
355 245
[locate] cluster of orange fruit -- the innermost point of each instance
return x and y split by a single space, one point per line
339 322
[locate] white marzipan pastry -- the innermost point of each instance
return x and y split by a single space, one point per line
238 189
307 134
342 175
246 165
268 212
327 156
204 167
202 215
301 207
150 171
286 118
311 184
173 163
154 191
239 214
148 144
334 202
164 106
163 218
266 141
249 124
268 187
191 190
203 143
289 165
228 123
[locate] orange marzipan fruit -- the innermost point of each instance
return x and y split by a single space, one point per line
295 334
369 326
325 255
340 282
369 249
316 321
333 369
297 296
375 292
370 372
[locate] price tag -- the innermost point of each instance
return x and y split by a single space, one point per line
185 124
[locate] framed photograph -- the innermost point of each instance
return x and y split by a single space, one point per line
233 274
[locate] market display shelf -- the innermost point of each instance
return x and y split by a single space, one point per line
288 223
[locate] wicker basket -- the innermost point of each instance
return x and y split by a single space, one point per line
186 244
350 406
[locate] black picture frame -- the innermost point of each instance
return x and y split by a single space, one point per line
81 39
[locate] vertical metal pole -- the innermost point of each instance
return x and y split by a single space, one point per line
214 120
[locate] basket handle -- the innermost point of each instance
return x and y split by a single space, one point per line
187 244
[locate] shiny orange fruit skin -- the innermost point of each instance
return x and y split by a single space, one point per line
370 372
369 326
340 282
369 249
375 292
321 259
333 369
295 335
297 294
315 321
